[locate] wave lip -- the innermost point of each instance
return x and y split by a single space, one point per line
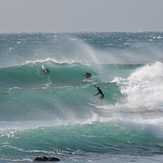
32 74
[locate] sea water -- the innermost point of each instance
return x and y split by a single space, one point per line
55 114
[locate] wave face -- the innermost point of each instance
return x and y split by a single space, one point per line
56 114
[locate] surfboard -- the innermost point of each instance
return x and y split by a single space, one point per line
87 80
94 105
100 106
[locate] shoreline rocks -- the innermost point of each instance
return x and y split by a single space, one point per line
44 158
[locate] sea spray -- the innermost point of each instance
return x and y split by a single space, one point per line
56 115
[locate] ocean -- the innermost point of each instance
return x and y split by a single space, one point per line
56 114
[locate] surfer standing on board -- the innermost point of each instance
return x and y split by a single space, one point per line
99 92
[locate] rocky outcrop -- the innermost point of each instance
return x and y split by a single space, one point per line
46 159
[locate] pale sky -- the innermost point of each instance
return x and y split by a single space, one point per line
81 15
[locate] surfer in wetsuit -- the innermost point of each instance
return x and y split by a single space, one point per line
87 75
46 71
99 92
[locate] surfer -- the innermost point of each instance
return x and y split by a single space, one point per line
46 70
99 92
87 75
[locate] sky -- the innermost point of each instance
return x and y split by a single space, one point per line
80 15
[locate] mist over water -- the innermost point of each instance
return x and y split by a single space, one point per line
113 48
56 115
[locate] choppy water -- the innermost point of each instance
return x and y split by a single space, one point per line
55 115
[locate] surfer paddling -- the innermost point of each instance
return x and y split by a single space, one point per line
99 92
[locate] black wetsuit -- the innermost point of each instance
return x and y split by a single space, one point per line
87 75
100 92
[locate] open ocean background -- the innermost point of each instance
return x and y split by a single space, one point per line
53 115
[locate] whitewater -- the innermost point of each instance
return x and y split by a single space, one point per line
55 114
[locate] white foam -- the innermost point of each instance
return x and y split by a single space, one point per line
144 87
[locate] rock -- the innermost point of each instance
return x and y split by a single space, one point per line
46 159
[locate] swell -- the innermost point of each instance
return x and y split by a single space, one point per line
33 75
67 140
28 94
63 103
70 98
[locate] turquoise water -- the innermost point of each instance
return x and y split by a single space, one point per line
56 115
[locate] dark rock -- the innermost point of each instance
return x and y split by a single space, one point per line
46 159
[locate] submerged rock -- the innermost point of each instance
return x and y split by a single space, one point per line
46 159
